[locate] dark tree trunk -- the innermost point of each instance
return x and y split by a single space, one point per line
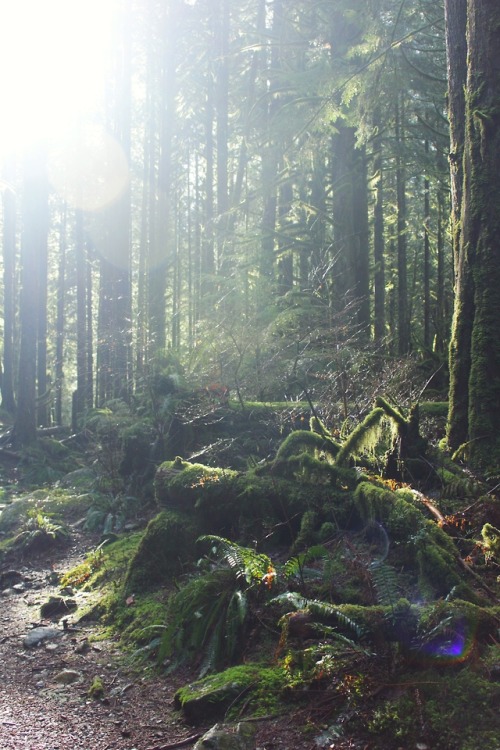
481 229
378 243
475 347
456 52
33 245
350 223
9 275
81 399
403 318
427 260
60 320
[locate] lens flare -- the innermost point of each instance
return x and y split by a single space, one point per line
89 168
452 646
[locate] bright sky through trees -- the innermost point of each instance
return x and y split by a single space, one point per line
54 55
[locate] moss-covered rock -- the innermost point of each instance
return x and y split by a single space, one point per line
209 699
167 543
226 737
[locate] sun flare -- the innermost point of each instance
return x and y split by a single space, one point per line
54 56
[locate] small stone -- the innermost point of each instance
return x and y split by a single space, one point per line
57 606
68 676
39 635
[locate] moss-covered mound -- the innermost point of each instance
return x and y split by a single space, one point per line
166 545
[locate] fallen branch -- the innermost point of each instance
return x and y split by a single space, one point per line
178 743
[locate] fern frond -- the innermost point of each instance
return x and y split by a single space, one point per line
323 610
244 561
385 582
292 598
295 565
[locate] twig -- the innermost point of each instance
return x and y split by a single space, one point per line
178 743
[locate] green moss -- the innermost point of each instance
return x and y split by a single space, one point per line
391 411
396 510
435 409
181 484
298 440
437 560
96 689
137 621
166 545
258 687
445 710
491 540
105 566
363 438
308 533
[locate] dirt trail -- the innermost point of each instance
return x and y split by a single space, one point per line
39 713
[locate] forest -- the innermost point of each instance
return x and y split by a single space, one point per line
250 356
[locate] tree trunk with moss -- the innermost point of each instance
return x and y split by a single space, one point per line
475 365
456 46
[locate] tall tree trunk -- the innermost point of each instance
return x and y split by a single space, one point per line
481 229
221 17
350 226
441 297
9 276
427 260
460 343
362 243
161 252
378 241
33 245
403 318
285 262
272 151
60 319
114 352
81 398
456 53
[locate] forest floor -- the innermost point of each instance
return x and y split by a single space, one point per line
45 700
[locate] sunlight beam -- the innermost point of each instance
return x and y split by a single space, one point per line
54 59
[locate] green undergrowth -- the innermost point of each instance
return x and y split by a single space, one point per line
105 566
138 622
445 710
137 619
60 504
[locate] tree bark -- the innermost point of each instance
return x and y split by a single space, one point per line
34 244
460 344
9 263
475 349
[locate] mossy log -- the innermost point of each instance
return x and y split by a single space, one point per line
181 484
255 504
